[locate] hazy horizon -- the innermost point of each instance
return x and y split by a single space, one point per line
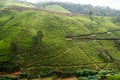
110 3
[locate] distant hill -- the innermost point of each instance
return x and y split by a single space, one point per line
7 3
86 9
55 8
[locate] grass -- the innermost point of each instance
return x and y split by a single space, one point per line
56 8
113 77
7 3
56 53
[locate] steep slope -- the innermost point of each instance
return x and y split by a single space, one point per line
37 42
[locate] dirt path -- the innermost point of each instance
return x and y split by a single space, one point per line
98 38
93 34
39 9
12 74
69 78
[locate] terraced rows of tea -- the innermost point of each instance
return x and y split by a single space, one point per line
42 46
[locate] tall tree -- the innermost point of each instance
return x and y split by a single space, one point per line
38 38
90 14
14 48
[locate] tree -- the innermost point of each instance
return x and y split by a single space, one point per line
90 14
14 48
35 40
116 20
38 38
15 63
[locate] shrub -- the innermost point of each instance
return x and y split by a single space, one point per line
23 76
8 78
113 77
86 72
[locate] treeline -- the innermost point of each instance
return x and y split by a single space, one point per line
84 9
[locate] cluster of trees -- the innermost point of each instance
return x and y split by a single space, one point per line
117 45
8 66
86 72
116 20
14 47
14 63
37 40
84 9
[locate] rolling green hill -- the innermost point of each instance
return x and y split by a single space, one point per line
84 9
56 8
8 3
40 42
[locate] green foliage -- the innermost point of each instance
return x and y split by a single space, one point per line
14 47
40 36
86 72
23 75
113 77
37 40
55 8
8 67
8 78
84 9
57 54
117 45
8 3
117 20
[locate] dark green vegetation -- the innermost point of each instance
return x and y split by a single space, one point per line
8 78
34 41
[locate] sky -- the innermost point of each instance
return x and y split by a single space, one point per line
111 3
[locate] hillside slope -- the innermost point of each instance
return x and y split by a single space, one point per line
85 9
8 3
37 42
56 8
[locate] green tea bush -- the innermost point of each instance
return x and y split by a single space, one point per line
113 77
86 72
